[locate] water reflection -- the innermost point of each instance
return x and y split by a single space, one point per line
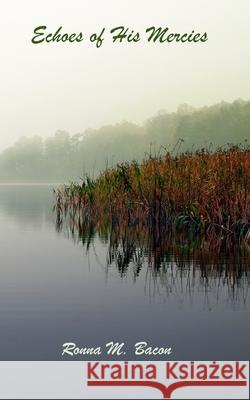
92 283
175 265
27 205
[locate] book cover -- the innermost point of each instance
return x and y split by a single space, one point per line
125 199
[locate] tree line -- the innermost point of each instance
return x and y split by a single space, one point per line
64 157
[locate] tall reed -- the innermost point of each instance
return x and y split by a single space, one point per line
205 192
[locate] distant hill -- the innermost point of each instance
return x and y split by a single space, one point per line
63 157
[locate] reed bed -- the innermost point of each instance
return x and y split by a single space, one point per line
206 193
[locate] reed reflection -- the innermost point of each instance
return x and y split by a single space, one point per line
173 264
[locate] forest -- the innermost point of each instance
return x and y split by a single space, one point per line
64 157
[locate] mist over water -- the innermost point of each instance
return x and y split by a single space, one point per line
76 86
64 157
91 287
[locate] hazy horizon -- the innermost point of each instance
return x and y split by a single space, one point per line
140 124
76 86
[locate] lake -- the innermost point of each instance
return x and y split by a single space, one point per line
59 284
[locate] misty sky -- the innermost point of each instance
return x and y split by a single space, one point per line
75 86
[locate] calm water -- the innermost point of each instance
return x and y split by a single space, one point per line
54 288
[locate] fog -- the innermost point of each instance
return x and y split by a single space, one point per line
63 157
76 86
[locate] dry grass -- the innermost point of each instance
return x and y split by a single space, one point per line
203 192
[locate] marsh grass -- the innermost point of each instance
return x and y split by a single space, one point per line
205 193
